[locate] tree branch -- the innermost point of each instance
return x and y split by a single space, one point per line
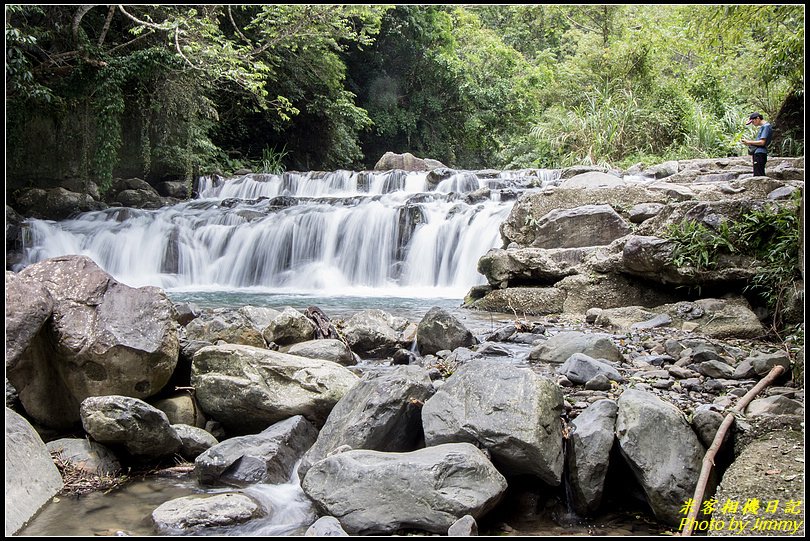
77 20
137 20
106 28
180 51
130 42
236 28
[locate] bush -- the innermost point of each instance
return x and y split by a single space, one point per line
769 234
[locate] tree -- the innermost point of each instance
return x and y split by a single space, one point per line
165 72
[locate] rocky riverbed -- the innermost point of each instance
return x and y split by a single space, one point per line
565 413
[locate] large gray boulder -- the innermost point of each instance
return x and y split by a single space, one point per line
588 225
376 333
103 338
510 411
524 264
267 457
588 458
327 349
381 413
406 162
242 326
247 389
581 368
28 307
522 224
561 346
31 476
130 423
439 330
371 492
661 449
289 327
184 516
90 457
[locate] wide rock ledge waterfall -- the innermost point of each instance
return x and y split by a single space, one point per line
331 233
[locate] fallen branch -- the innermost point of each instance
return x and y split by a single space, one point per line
708 459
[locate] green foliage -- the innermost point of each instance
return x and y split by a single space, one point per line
336 86
272 161
769 235
697 245
772 236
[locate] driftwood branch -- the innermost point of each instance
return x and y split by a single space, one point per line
708 459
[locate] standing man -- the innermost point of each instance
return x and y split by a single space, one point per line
758 147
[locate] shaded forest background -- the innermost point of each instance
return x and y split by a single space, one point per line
169 92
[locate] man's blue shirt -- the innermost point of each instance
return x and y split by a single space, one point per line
765 132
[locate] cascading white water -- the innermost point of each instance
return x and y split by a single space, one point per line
333 232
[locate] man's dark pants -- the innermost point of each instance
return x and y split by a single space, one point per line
759 164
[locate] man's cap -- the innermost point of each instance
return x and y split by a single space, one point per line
752 116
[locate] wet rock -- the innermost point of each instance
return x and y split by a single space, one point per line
267 457
510 411
590 443
381 412
661 449
428 489
376 333
103 338
28 307
131 423
193 513
439 330
31 476
289 327
247 389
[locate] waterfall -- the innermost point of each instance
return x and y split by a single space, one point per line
328 232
